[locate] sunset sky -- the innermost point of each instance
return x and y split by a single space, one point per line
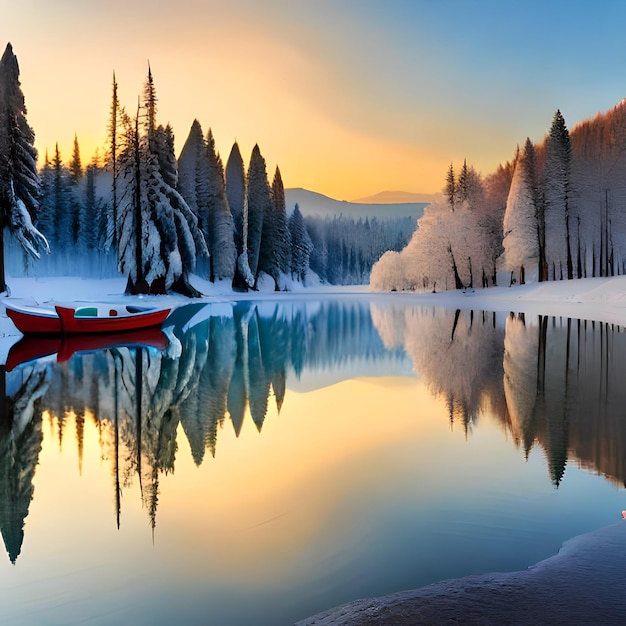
348 97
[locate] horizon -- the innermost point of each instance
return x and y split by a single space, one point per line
348 101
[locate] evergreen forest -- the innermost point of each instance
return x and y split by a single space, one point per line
138 210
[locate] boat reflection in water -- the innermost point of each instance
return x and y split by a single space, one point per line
30 348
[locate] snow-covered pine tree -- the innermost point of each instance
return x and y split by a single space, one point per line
558 199
258 201
193 183
301 244
221 228
273 258
159 234
19 180
282 237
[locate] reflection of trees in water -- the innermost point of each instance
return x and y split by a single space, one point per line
226 366
549 380
458 353
21 437
521 345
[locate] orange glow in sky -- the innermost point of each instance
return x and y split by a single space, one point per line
349 98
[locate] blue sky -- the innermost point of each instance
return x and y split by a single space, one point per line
349 97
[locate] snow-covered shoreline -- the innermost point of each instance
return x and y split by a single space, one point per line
596 299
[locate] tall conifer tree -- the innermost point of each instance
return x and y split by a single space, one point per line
258 203
275 253
558 199
301 244
116 114
19 180
221 228
159 235
235 192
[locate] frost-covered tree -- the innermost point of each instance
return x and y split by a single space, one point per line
451 247
521 226
598 165
257 205
19 180
388 273
558 199
159 237
301 244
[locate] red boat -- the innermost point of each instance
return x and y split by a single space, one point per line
87 318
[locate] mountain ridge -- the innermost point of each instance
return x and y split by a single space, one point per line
397 196
313 203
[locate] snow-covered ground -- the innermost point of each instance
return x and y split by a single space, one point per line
584 583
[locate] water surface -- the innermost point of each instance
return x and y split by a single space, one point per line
280 458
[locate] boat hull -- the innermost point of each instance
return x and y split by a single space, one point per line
66 320
31 321
71 323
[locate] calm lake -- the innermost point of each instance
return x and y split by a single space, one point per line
265 461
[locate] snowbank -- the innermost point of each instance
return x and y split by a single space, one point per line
598 299
582 584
